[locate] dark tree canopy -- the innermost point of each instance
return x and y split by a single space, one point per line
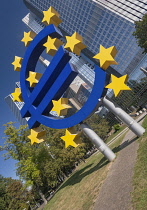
141 32
13 196
44 166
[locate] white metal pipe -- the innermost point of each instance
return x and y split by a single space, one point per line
124 117
95 139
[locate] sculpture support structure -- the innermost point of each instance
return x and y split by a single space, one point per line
124 117
98 142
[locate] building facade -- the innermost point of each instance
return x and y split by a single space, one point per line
100 22
107 23
15 107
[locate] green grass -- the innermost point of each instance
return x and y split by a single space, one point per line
115 134
80 191
139 194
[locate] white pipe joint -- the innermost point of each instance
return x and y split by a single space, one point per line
95 139
124 117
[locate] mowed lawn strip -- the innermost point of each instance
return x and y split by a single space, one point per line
139 194
80 191
115 133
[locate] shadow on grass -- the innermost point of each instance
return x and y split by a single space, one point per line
124 144
79 175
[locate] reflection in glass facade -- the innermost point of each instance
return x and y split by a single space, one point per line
15 107
84 68
33 23
137 74
100 22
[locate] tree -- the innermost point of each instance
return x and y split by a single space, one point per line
18 147
43 165
100 126
13 195
141 32
18 196
4 199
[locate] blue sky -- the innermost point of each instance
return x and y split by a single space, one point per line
12 28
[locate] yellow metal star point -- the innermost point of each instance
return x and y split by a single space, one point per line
61 106
17 63
28 37
33 78
17 96
52 45
74 43
71 138
37 135
106 56
51 16
118 84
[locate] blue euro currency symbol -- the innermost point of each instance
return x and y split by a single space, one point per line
54 82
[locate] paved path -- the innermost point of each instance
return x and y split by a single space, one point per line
115 191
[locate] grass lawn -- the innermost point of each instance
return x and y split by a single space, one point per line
80 191
139 195
115 134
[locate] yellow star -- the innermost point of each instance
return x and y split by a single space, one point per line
52 45
106 56
17 63
17 95
51 16
28 37
61 106
33 78
74 43
37 135
118 84
71 138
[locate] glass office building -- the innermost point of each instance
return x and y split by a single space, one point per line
137 74
15 107
100 22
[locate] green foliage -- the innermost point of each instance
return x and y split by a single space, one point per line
42 165
45 165
100 126
12 194
3 194
139 194
116 127
80 191
141 32
17 196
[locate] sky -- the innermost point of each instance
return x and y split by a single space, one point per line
11 32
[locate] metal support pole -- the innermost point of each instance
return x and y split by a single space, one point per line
95 139
124 117
144 70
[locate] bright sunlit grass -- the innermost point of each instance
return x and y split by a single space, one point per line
139 195
80 191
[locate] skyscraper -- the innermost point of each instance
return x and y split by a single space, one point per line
100 22
15 107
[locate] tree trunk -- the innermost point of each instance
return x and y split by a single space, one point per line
41 194
43 197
